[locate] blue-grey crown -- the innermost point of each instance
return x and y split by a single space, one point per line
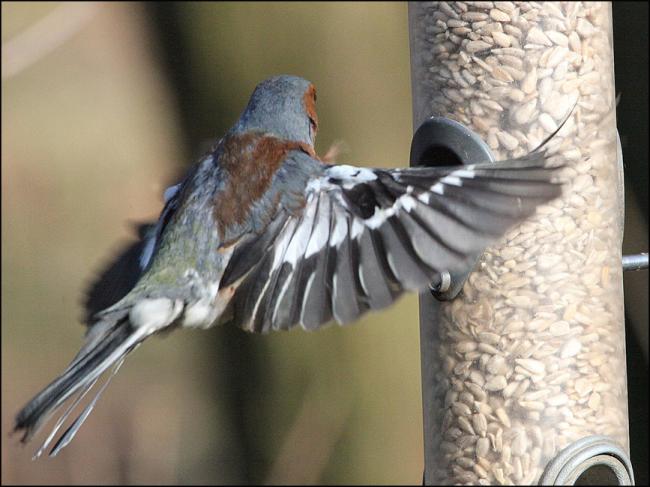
277 107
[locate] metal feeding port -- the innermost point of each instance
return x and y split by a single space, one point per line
440 141
594 460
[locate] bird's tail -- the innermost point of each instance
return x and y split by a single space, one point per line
107 344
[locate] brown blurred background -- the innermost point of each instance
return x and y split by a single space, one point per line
103 106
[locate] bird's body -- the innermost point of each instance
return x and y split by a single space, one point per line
263 234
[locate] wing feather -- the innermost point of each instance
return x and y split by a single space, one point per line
364 236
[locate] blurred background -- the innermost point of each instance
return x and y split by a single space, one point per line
106 104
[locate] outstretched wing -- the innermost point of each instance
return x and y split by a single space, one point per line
364 236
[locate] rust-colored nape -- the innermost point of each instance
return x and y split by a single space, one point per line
309 100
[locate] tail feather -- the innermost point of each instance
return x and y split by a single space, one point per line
70 433
97 355
117 332
62 419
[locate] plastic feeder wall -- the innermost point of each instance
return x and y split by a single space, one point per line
526 365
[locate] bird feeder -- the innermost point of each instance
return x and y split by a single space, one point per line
523 360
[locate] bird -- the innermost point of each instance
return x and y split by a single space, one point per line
265 235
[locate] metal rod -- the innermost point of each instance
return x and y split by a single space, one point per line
635 262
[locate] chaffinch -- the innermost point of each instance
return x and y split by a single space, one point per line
265 235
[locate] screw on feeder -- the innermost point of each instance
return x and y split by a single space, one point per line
635 262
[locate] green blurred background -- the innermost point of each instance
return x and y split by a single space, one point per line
103 106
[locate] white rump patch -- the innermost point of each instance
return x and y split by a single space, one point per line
155 313
199 314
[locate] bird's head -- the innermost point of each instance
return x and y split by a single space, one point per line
284 106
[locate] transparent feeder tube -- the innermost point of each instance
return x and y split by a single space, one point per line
530 357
